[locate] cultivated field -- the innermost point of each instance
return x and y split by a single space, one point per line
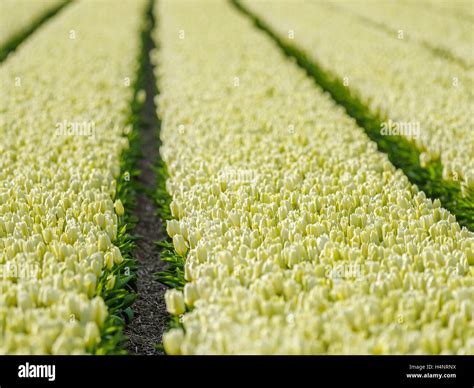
236 177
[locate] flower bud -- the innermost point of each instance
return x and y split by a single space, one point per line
190 294
180 245
174 302
119 209
172 227
172 341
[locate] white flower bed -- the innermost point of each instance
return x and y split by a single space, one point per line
65 99
405 82
20 14
300 236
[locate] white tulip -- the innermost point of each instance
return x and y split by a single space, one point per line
174 302
180 245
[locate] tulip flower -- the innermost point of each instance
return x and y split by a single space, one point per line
119 209
172 341
180 245
174 302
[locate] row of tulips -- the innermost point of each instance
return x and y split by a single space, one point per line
458 9
65 102
299 237
449 34
388 71
18 15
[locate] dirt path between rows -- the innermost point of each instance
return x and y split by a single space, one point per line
146 329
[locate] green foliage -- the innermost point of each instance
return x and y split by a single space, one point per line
174 275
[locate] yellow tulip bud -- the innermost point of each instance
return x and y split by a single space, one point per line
172 341
119 209
91 334
180 245
174 302
190 294
172 227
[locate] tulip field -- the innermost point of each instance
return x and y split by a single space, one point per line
314 176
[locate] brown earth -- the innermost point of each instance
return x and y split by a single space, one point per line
146 329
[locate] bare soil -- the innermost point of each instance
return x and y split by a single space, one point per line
146 329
